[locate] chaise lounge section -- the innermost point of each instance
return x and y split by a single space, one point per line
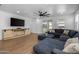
52 44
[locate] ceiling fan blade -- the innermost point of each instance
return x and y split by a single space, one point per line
47 14
44 12
40 12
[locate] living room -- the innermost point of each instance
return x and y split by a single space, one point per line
35 23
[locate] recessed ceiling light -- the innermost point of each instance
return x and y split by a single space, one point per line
18 11
38 20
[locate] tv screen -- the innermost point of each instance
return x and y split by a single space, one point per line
17 22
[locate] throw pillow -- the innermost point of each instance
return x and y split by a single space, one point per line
77 35
71 40
66 32
72 48
72 33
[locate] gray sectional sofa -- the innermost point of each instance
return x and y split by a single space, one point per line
53 42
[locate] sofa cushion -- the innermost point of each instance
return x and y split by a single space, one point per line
60 31
57 51
71 40
64 37
42 49
72 48
76 35
46 45
41 36
66 32
50 36
72 33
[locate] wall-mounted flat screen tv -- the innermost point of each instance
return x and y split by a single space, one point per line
16 22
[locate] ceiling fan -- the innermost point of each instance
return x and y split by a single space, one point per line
43 14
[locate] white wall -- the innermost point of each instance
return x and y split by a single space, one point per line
5 21
68 20
36 26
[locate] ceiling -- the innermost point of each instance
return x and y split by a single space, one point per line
31 9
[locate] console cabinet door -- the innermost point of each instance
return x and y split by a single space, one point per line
8 34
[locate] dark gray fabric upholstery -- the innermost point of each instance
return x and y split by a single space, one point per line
72 33
57 51
58 32
64 38
41 36
50 36
53 42
77 35
45 46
